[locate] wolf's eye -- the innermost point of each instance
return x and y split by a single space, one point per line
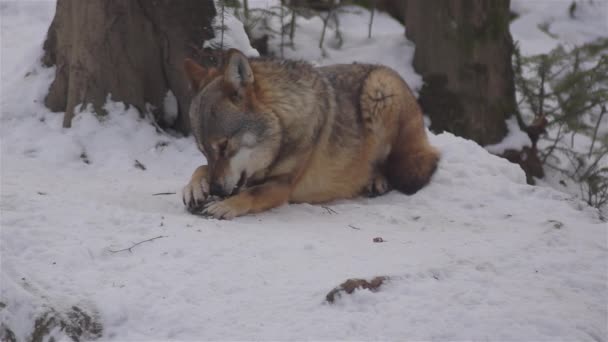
235 97
221 148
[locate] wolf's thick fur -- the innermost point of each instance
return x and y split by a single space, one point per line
283 131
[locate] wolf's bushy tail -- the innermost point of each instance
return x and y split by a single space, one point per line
409 168
412 160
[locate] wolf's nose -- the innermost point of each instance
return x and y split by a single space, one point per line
217 190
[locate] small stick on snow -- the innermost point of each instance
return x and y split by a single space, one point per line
139 165
130 249
155 124
163 193
353 227
329 210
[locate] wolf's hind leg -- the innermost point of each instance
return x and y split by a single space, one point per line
377 186
392 115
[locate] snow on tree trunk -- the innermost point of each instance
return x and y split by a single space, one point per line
130 49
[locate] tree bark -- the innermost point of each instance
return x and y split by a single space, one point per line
396 8
131 49
463 52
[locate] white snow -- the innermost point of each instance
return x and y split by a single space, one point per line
476 255
170 108
233 35
516 139
590 22
387 46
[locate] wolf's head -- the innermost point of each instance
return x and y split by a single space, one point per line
232 129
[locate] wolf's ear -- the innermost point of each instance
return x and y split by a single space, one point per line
197 74
238 72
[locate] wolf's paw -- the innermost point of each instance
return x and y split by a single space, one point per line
226 209
195 194
377 186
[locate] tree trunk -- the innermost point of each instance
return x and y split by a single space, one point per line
463 52
131 49
396 8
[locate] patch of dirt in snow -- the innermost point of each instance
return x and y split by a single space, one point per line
351 285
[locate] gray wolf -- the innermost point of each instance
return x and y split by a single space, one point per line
279 131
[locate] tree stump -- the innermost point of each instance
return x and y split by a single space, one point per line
132 50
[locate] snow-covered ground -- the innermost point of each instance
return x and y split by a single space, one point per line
589 23
477 254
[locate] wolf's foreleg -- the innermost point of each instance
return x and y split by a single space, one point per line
259 198
197 191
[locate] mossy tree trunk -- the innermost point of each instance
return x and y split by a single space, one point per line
463 52
131 49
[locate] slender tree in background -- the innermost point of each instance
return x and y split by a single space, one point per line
132 50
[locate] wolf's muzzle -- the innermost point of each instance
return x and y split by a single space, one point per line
217 190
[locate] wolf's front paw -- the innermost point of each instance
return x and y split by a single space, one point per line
195 194
226 209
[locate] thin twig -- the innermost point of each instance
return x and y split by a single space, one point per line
282 27
222 32
543 73
163 193
591 168
353 227
325 23
597 126
292 24
159 129
557 140
139 165
246 10
130 249
329 210
371 19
